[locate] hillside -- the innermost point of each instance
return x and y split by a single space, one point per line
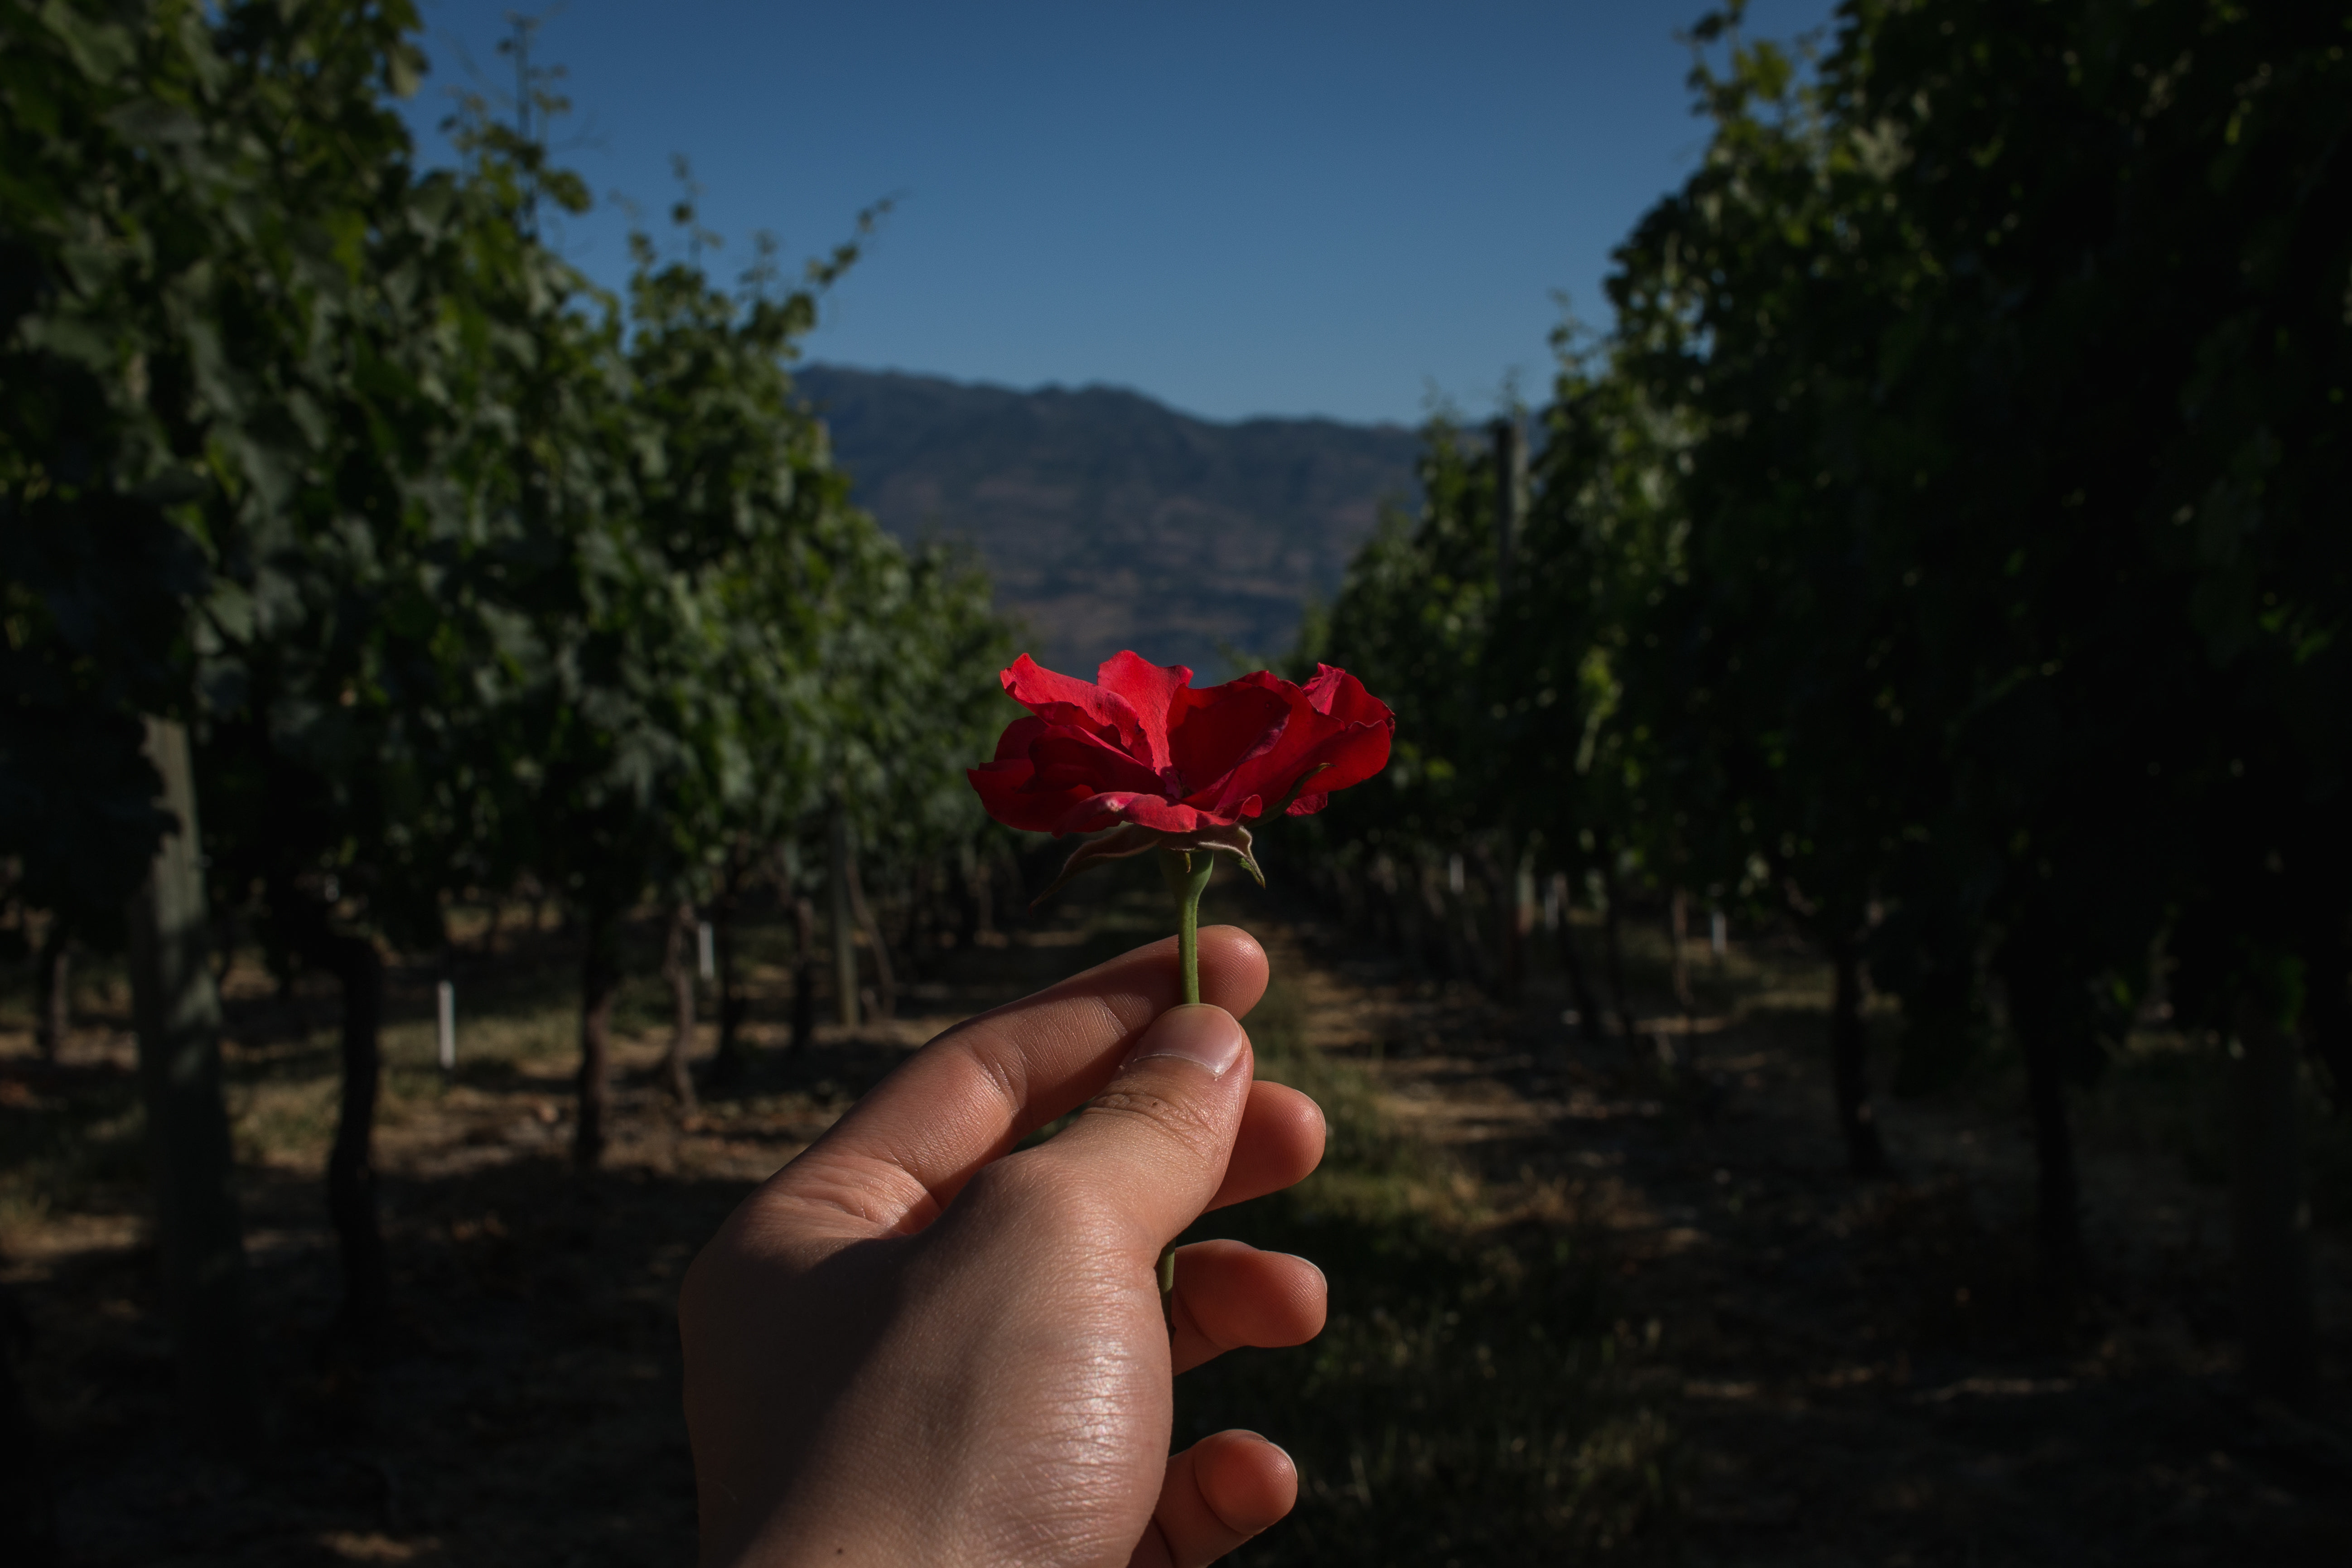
1110 520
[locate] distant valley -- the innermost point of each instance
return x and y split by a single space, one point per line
1108 521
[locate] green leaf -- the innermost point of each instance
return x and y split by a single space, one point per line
100 50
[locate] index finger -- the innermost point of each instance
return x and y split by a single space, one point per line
969 1096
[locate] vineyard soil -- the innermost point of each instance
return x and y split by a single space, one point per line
1583 1306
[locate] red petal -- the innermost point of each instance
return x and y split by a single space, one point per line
1087 814
1066 700
1354 754
1273 771
1346 746
1017 737
1153 811
1228 726
1342 696
1070 758
1151 690
1004 794
1159 814
1097 755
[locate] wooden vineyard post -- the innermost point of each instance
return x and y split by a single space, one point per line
1849 1056
684 930
1614 956
886 983
1678 943
1503 886
2271 1213
845 924
1559 918
804 972
53 986
445 1026
1454 913
199 1238
716 937
1523 916
978 925
1511 880
600 982
731 1004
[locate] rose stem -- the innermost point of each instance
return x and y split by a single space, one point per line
1186 880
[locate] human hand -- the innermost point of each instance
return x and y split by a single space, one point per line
913 1346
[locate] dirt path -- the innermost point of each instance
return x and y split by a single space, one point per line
1868 1373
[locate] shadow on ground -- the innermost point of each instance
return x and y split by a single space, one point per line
1581 1310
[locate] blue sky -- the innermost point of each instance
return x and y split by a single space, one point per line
1283 207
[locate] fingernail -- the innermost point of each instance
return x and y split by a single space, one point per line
1207 1036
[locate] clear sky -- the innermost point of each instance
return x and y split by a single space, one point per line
1278 207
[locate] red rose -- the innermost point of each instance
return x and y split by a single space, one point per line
1143 746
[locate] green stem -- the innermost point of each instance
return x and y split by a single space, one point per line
1187 875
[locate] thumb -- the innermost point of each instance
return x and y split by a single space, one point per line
1156 1139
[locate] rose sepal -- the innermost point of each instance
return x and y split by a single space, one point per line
1231 840
1129 839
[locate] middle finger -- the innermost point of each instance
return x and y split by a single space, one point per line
1230 1294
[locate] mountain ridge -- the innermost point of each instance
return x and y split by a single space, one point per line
1109 519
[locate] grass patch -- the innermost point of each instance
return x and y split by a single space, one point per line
83 1154
1462 1404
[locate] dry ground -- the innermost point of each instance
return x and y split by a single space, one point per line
1870 1372
1581 1310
